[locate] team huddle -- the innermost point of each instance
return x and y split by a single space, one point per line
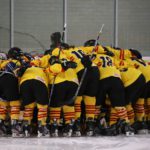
73 91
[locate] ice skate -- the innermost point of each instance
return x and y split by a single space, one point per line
140 127
89 131
3 131
16 129
110 130
148 125
43 131
54 129
77 128
127 130
68 129
27 129
100 126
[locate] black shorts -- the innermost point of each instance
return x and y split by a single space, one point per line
9 89
112 86
135 90
147 90
89 86
34 91
63 93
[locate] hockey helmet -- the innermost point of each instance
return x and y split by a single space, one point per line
15 53
90 43
55 37
136 53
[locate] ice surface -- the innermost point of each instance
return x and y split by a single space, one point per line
138 142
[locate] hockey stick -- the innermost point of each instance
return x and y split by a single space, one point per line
52 87
85 70
63 34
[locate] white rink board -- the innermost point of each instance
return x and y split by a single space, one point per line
138 142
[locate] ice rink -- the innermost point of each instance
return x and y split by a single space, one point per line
138 142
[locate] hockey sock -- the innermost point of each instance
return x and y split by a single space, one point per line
122 113
69 114
139 109
78 107
130 113
55 114
90 103
15 109
113 116
3 109
108 105
146 111
97 112
28 112
42 113
148 105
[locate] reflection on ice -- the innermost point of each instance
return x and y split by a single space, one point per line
138 142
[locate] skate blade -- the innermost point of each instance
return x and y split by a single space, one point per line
27 134
69 134
16 135
129 134
54 134
40 135
46 136
90 133
143 131
77 134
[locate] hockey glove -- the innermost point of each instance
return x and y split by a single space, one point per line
53 60
21 71
86 61
10 67
109 53
68 64
136 53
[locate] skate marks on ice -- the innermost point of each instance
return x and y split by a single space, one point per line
138 142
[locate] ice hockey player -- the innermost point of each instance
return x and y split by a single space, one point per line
137 61
34 92
110 76
134 83
9 96
87 92
64 87
134 58
55 39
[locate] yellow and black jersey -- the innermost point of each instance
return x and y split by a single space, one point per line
128 74
34 73
56 69
5 62
65 75
75 55
41 62
120 54
93 49
106 66
142 66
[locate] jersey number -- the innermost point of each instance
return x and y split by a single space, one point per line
78 53
106 61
